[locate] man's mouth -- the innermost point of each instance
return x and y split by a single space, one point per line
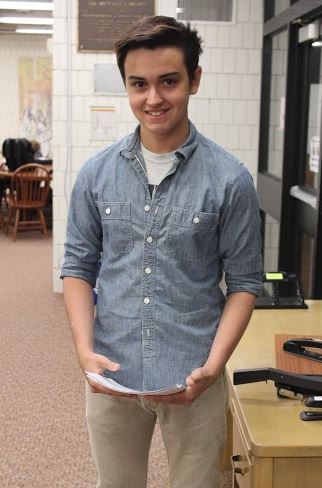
157 113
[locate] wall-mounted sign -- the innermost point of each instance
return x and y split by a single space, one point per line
102 22
314 154
103 124
107 79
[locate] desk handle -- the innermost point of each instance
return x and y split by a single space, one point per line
237 458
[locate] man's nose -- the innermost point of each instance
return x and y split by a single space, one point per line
154 96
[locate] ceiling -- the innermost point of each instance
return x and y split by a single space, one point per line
26 17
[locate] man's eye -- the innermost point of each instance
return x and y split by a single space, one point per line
169 81
138 84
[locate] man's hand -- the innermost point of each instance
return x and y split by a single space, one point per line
199 380
96 363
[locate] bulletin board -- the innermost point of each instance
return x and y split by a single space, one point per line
102 22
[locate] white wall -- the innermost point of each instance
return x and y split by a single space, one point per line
12 48
226 108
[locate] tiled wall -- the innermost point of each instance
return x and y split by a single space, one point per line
226 108
12 48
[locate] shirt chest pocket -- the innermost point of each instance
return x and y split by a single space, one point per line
117 226
192 235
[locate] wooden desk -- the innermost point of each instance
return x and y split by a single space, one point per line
272 446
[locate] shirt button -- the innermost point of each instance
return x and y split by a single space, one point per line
147 208
196 220
146 300
149 239
147 270
108 210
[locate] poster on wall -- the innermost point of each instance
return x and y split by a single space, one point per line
102 22
35 106
314 154
103 124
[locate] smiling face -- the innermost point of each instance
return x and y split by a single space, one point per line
159 88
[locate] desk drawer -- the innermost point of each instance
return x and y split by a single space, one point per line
242 464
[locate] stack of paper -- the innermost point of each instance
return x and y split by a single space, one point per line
113 385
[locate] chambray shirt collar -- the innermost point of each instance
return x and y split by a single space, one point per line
184 152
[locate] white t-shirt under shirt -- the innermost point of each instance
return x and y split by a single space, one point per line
157 166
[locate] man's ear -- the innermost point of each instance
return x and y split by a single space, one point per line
196 81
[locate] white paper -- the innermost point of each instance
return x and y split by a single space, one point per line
113 385
314 154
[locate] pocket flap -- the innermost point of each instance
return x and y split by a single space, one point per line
190 218
115 210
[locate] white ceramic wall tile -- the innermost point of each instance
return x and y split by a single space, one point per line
59 82
235 87
227 117
240 112
236 35
60 9
57 282
233 138
205 61
223 36
220 135
229 61
210 36
222 86
216 60
255 60
249 37
247 87
245 137
243 10
60 57
242 59
256 11
59 231
252 112
216 111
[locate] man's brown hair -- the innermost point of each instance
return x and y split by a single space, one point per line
161 31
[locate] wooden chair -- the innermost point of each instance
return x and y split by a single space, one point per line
3 188
28 194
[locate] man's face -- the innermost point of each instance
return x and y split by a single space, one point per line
158 88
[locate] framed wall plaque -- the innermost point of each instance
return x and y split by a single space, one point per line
102 22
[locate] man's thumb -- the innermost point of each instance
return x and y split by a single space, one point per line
106 363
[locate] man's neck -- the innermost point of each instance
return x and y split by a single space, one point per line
164 143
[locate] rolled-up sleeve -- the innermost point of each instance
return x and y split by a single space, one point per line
84 231
240 238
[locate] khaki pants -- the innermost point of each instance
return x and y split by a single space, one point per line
121 430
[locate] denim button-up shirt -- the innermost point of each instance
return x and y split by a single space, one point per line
162 259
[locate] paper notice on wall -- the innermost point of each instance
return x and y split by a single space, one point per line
282 114
103 124
314 154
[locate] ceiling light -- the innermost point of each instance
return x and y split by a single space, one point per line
26 6
22 30
27 20
317 44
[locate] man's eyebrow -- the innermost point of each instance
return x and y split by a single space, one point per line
166 75
132 77
173 73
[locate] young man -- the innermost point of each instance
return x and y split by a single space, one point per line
169 211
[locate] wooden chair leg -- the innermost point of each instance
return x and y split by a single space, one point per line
43 222
15 229
9 220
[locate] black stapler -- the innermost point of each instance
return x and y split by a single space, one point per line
281 290
297 347
288 384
